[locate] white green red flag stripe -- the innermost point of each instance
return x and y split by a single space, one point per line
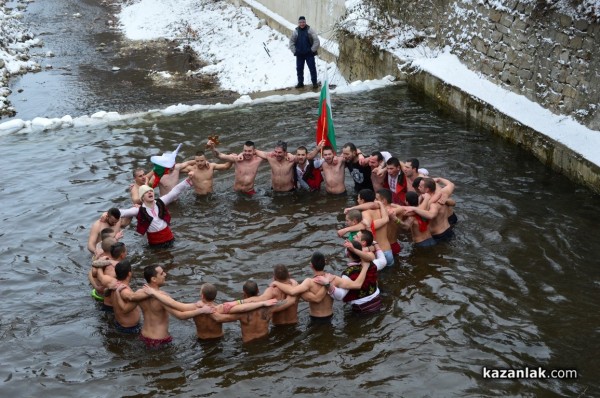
325 129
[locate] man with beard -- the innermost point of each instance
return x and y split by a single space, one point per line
333 172
246 166
282 168
201 173
358 166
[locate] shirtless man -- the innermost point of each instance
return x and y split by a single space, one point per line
282 167
378 168
385 196
127 314
112 220
418 226
206 326
201 173
333 172
284 314
255 324
246 166
435 212
411 171
155 331
363 296
139 179
320 304
106 274
374 215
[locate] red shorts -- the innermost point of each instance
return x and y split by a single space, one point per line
160 237
396 248
155 343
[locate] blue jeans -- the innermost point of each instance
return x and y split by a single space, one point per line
310 61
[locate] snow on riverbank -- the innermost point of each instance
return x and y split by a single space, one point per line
15 41
246 55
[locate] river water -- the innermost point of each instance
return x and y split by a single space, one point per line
517 288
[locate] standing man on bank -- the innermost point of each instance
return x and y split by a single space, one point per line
304 44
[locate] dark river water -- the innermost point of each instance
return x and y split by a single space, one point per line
517 288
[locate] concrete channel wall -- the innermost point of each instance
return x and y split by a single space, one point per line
567 69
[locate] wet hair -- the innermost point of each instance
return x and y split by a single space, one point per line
135 171
367 236
281 273
113 211
328 148
249 143
250 288
209 291
122 269
106 233
200 153
117 249
393 162
318 261
302 148
282 145
416 183
150 272
107 244
351 146
378 154
414 163
354 215
385 194
412 198
367 195
429 183
357 246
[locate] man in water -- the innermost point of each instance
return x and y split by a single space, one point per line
139 179
282 167
363 297
284 314
333 172
153 217
113 219
255 324
358 167
155 331
246 166
207 327
201 173
308 170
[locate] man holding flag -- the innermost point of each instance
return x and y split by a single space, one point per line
333 166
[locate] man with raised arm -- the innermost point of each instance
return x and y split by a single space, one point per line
246 166
201 173
153 217
282 167
434 212
418 226
333 172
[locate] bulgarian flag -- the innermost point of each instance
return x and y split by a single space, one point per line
325 129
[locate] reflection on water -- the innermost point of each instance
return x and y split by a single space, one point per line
516 287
